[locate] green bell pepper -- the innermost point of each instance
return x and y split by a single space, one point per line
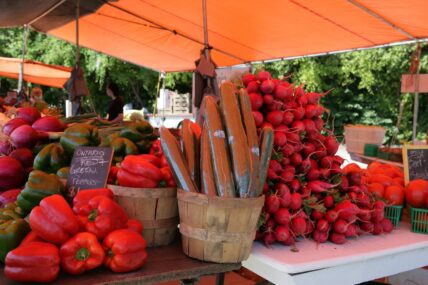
79 135
51 158
63 172
38 186
13 229
137 131
122 147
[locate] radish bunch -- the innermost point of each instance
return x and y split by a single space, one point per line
307 195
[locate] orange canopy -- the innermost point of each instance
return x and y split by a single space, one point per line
35 72
167 35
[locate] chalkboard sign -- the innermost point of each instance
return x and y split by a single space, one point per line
89 169
415 161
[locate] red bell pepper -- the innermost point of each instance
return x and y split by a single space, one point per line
164 161
153 159
167 177
125 251
81 253
31 237
112 175
53 220
135 225
137 164
33 262
101 216
82 198
156 149
128 179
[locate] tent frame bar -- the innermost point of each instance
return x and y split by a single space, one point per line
53 7
379 17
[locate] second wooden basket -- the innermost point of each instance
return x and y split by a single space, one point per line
156 208
218 229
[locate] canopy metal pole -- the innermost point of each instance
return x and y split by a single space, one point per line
416 97
24 52
77 32
204 14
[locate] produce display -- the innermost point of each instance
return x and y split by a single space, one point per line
307 192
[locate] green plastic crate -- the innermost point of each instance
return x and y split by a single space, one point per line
393 213
419 219
371 150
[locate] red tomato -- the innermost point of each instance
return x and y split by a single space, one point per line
395 195
376 189
416 193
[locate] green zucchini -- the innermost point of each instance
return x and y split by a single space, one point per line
176 161
252 138
219 152
207 176
236 138
266 145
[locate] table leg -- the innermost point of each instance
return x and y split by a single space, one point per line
220 279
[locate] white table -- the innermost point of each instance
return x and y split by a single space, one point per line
359 260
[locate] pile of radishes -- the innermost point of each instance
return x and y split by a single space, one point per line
307 195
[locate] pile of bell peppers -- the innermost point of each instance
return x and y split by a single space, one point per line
144 171
94 231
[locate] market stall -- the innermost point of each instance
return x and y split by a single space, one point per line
264 149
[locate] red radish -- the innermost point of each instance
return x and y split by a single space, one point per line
299 92
306 192
296 201
320 236
287 176
282 233
298 126
24 136
28 114
247 78
275 165
298 226
309 125
365 215
363 200
11 125
269 238
296 159
320 153
331 216
313 98
339 160
340 226
313 174
24 156
275 106
274 117
301 214
48 124
266 124
276 82
347 210
302 101
283 92
310 111
268 99
308 148
314 164
272 203
318 186
354 178
299 113
380 205
317 215
270 224
259 235
267 86
258 118
367 226
377 215
338 238
263 75
279 139
9 196
326 161
11 173
323 225
387 225
256 101
297 147
352 231
319 110
324 173
377 228
352 196
352 167
335 169
282 128
271 174
291 105
290 241
282 216
344 182
295 185
290 168
253 87
309 228
305 166
328 201
287 149
331 145
319 123
6 147
287 118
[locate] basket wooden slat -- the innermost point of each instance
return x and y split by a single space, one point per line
156 208
218 229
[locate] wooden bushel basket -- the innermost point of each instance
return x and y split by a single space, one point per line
218 229
156 208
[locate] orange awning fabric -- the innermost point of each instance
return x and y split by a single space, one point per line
35 72
167 35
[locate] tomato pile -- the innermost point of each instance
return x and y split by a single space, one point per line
307 194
